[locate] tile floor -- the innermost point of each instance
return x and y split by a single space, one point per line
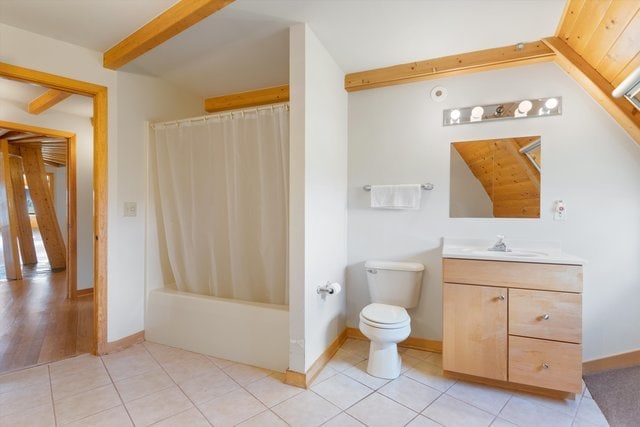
151 384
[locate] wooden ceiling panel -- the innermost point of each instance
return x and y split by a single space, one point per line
570 18
624 49
589 18
615 20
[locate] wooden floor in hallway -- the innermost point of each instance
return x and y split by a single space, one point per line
38 324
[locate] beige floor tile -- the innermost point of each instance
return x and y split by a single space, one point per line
127 364
344 360
343 420
378 410
114 417
418 354
499 422
73 365
158 406
306 409
587 393
79 382
430 375
342 391
410 393
566 406
582 423
422 421
221 363
264 419
208 386
489 399
324 374
20 399
232 408
589 411
359 373
144 384
272 390
357 347
82 405
39 416
190 366
409 362
452 412
435 359
189 418
163 353
525 413
245 374
23 378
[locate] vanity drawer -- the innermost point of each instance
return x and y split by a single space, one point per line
549 315
551 277
547 364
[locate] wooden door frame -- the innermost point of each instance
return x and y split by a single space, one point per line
100 106
71 220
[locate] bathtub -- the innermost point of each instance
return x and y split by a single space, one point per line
253 333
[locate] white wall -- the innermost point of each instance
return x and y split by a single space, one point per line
132 99
81 126
318 232
60 198
396 135
471 199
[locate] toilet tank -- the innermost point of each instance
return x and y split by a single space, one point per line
394 283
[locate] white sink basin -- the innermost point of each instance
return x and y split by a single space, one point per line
516 253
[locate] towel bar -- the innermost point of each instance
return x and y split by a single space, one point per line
427 186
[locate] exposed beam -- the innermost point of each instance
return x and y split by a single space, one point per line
481 60
597 86
8 220
47 100
25 234
172 21
252 98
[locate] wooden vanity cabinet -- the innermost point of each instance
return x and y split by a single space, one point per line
515 323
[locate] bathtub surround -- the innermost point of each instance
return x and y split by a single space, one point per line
402 123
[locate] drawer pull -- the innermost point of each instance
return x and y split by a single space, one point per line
545 317
545 365
501 297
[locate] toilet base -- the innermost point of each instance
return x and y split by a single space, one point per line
384 360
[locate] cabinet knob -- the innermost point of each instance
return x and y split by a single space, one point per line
545 365
501 297
546 316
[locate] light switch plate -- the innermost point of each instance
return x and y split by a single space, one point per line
130 209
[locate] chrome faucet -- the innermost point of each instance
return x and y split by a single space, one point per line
500 245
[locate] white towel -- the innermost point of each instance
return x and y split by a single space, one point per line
406 196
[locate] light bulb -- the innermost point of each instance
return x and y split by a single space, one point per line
551 103
525 106
477 112
455 114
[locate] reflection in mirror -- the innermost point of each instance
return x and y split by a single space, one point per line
496 178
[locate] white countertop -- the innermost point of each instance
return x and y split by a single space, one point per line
542 252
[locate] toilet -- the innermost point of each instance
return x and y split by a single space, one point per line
393 287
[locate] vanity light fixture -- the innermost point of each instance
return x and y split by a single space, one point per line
526 108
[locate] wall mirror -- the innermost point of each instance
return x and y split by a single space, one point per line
496 178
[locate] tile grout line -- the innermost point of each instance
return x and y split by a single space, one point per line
180 388
113 384
53 405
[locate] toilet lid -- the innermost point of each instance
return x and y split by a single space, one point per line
385 314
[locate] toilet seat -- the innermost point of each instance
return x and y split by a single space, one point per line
385 316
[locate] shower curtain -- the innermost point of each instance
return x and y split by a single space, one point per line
222 201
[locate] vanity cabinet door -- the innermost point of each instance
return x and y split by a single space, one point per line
475 330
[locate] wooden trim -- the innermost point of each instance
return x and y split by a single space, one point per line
19 127
100 119
470 62
25 230
13 268
169 23
47 100
616 361
562 17
511 386
126 342
72 224
270 95
597 86
298 379
411 342
84 292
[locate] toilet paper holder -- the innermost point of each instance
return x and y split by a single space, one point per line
328 289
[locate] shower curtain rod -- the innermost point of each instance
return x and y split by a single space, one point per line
222 114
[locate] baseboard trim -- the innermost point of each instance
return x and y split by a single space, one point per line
301 380
84 292
616 361
411 342
126 342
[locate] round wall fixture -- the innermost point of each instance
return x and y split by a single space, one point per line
439 93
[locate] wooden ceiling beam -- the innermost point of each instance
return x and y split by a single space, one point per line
597 86
252 98
47 100
169 23
481 60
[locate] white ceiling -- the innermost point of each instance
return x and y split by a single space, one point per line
21 94
245 45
